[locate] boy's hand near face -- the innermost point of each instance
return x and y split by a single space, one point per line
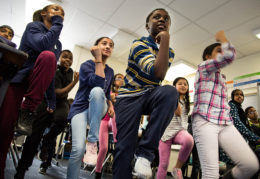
162 36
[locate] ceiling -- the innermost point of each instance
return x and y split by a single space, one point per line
194 23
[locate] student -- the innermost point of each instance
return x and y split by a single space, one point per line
254 122
240 120
176 133
7 32
107 124
64 82
212 124
90 105
40 42
141 94
6 35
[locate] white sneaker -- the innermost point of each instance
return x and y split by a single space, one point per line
142 168
90 157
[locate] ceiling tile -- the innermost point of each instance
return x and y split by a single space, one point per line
81 33
189 36
132 14
195 9
100 9
230 15
177 23
166 2
243 34
104 31
177 20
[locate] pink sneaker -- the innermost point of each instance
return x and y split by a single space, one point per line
176 173
90 157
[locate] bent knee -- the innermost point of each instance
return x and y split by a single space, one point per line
251 166
48 57
170 94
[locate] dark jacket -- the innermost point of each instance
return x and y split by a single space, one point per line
36 39
87 81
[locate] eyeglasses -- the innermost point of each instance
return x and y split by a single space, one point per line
119 79
252 112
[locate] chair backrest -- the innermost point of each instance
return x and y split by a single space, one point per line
11 60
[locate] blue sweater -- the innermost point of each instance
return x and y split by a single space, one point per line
36 39
87 81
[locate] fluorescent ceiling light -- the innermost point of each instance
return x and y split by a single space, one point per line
257 33
179 69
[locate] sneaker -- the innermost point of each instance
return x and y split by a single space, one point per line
142 168
90 157
19 173
42 170
25 121
177 173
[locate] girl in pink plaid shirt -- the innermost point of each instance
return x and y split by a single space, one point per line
212 125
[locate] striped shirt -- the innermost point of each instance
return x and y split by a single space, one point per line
140 75
177 123
210 98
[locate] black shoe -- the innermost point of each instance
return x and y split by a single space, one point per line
42 170
98 175
19 173
25 121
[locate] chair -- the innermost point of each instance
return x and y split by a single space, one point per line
11 60
62 143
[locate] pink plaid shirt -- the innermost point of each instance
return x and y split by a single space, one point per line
210 98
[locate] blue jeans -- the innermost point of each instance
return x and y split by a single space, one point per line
91 116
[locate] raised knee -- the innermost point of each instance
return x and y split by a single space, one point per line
169 94
97 91
48 57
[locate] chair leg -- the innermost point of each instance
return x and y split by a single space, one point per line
108 156
13 156
16 150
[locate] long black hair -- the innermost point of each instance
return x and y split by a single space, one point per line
187 95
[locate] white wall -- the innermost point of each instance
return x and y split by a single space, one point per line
243 66
81 54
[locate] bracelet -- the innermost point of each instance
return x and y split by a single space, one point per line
98 62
